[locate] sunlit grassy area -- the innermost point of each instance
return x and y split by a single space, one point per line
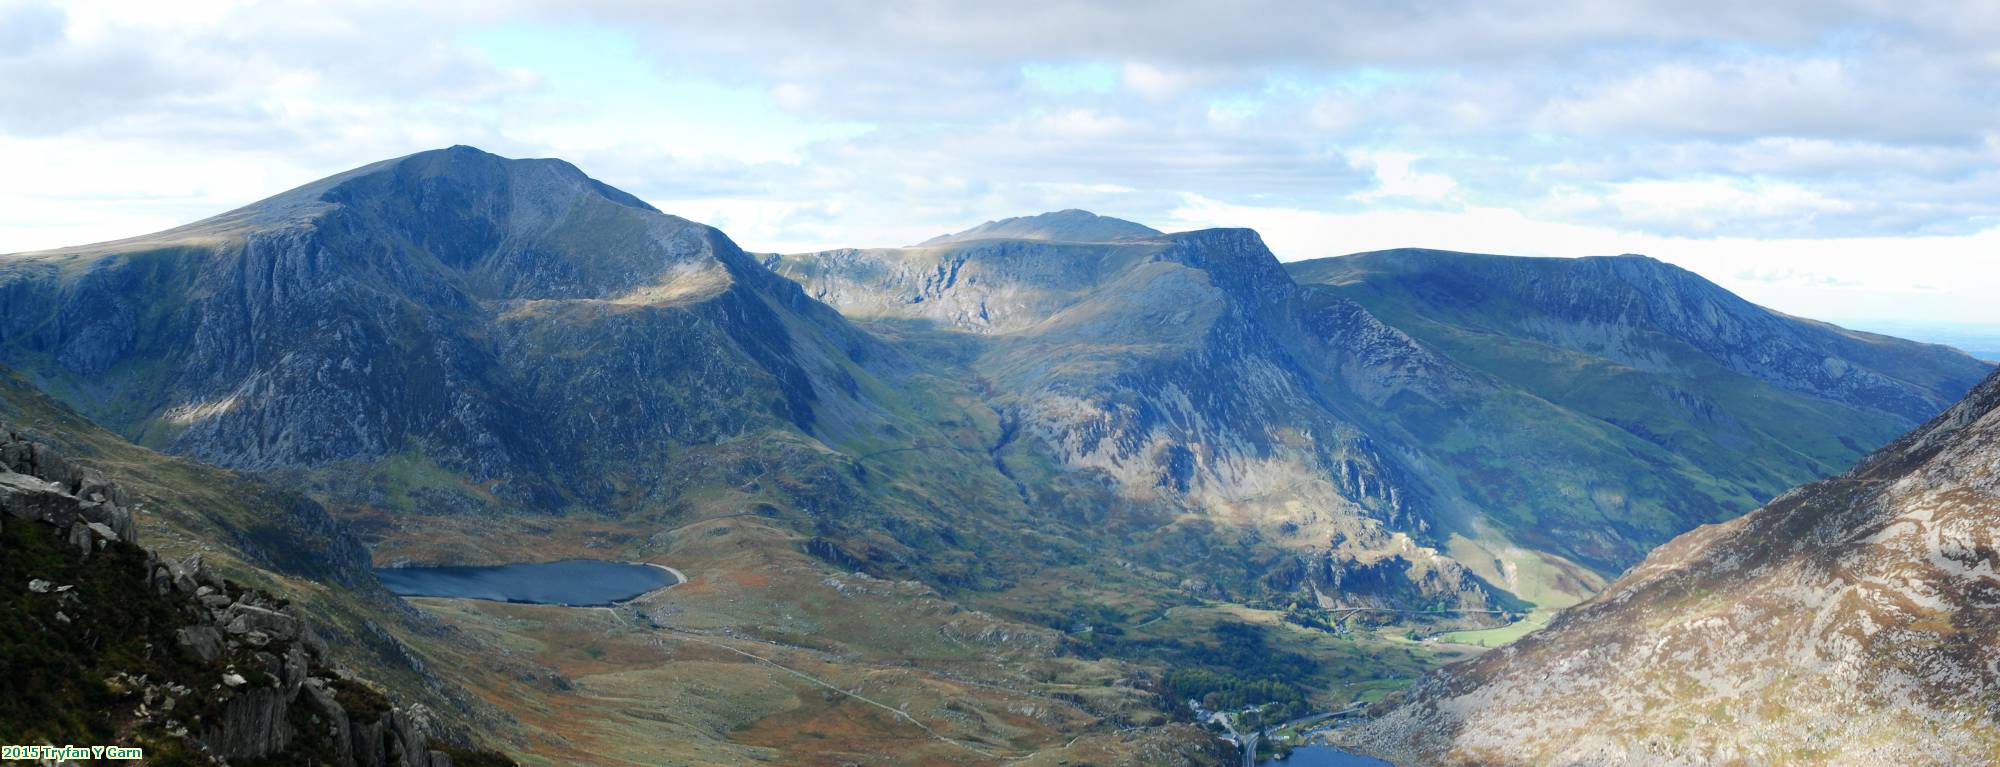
1495 637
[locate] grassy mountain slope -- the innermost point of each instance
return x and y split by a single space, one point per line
1685 404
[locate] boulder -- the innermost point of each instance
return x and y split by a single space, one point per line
91 486
161 578
50 465
105 535
111 516
243 619
25 497
202 642
81 539
17 456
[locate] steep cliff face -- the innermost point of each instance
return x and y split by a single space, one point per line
1848 622
462 310
109 643
1189 374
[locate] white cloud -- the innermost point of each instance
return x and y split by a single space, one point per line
1921 279
1396 178
1683 128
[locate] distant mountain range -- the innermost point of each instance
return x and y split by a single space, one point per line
1066 423
1389 417
453 333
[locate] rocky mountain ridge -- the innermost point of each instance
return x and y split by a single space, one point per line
1615 306
1175 368
453 336
1850 621
1189 369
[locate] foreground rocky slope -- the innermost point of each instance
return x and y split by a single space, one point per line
1851 621
108 644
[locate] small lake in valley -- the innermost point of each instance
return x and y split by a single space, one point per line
573 582
1324 756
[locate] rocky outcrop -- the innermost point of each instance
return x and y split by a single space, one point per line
39 484
1851 621
249 678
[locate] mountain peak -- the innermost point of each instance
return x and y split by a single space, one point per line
1071 225
424 183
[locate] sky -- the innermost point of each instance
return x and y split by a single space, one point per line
1837 159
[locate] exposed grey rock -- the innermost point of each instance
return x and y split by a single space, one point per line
253 725
370 740
81 539
242 618
1847 622
296 668
29 498
320 702
50 465
202 642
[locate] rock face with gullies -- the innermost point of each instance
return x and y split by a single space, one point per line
1188 373
1851 621
512 321
1320 405
221 673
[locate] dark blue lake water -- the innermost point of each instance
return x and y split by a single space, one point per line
1324 756
577 582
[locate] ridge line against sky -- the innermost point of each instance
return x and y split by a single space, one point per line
1837 160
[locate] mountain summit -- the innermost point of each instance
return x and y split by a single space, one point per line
506 320
1061 226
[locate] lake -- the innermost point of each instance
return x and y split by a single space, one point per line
574 582
1324 756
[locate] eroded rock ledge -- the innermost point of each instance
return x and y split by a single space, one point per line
195 665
